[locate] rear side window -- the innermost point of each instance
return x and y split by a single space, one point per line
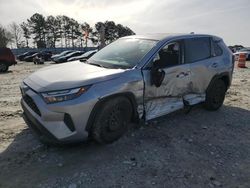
197 49
217 51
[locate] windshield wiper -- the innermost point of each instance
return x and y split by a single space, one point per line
83 60
95 64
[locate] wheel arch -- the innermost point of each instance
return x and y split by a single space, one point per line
6 66
130 96
223 76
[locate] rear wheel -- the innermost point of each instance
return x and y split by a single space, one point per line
111 122
4 67
215 95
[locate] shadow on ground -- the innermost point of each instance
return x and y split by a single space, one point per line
198 149
9 71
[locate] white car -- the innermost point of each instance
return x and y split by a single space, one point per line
86 55
243 50
61 54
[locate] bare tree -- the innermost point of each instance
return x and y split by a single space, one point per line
26 33
16 32
5 37
56 31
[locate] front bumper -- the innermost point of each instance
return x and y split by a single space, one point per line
37 127
58 123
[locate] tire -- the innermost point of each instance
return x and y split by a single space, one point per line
4 67
215 95
111 122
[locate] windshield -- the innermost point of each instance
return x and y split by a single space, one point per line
123 53
88 53
72 53
65 52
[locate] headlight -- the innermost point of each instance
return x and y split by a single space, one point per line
63 95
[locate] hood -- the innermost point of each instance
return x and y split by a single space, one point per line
70 75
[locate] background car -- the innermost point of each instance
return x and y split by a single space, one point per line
83 56
54 57
45 55
6 59
243 50
38 60
65 58
22 56
30 57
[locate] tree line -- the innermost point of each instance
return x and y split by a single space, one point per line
60 31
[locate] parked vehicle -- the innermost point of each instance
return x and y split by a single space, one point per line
45 55
245 51
136 78
42 56
6 59
38 60
30 58
84 56
65 58
54 57
22 56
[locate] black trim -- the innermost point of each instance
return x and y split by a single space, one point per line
30 102
220 76
69 122
37 127
99 104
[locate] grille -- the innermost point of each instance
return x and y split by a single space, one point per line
31 104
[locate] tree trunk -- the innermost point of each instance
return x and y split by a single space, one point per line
27 43
102 37
72 40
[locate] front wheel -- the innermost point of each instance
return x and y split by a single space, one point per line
111 122
4 67
215 95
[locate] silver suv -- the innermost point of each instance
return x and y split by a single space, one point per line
134 78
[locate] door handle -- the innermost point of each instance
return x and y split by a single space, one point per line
182 74
214 65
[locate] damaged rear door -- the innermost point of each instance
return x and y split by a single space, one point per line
167 81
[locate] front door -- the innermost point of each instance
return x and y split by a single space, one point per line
168 96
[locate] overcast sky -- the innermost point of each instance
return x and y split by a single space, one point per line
229 19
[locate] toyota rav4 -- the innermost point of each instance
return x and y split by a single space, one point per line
136 78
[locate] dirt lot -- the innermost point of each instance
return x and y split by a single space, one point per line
198 149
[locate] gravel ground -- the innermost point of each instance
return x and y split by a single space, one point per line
195 149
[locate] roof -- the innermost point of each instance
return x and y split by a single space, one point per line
163 36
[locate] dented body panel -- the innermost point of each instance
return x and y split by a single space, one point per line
168 97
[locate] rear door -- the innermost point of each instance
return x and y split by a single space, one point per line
168 97
203 66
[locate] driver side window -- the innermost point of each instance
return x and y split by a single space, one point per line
169 55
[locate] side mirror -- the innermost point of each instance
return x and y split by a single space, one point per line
157 75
